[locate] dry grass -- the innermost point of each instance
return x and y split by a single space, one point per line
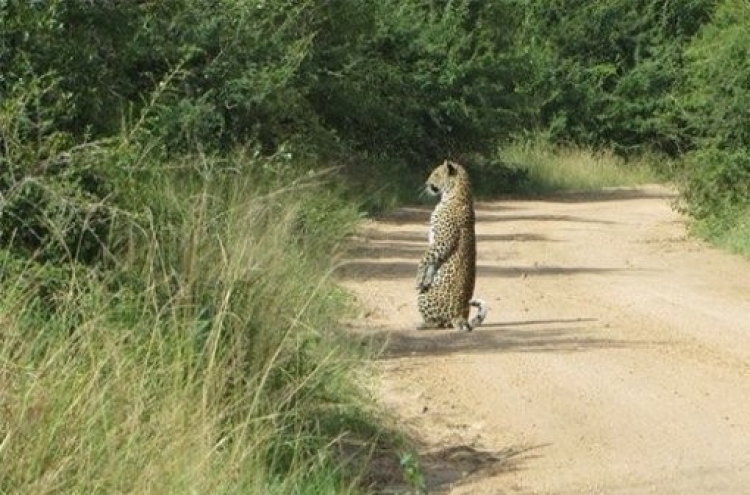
558 168
207 362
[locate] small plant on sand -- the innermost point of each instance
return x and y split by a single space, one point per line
412 472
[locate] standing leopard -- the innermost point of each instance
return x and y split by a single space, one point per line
447 271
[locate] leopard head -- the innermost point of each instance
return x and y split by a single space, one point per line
442 180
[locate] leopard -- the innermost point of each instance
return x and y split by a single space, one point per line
446 273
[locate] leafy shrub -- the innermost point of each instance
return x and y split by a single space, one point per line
716 182
51 186
715 98
715 94
427 79
607 69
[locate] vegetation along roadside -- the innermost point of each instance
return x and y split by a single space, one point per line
176 178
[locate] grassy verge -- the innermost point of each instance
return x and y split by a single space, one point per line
730 231
203 358
541 168
713 182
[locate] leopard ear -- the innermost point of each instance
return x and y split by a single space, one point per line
452 169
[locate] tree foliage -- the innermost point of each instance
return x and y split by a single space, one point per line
609 68
90 88
715 105
382 89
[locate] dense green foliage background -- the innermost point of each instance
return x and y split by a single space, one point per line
117 117
381 89
644 76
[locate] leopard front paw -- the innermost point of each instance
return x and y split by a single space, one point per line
425 281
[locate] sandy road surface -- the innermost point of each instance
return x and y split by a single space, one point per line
615 358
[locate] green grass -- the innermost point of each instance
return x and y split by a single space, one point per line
550 168
729 231
205 359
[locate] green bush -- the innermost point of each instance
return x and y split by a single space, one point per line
381 90
607 70
52 187
716 181
424 79
714 100
714 97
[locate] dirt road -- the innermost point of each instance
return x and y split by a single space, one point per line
615 358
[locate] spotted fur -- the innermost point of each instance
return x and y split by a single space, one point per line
447 271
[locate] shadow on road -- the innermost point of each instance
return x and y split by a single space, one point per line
448 467
617 194
421 215
575 335
394 254
391 270
548 218
597 196
420 237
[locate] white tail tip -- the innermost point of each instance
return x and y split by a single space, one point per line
482 309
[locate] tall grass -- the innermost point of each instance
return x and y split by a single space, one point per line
204 359
549 168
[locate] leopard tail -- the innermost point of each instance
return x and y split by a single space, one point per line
482 309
